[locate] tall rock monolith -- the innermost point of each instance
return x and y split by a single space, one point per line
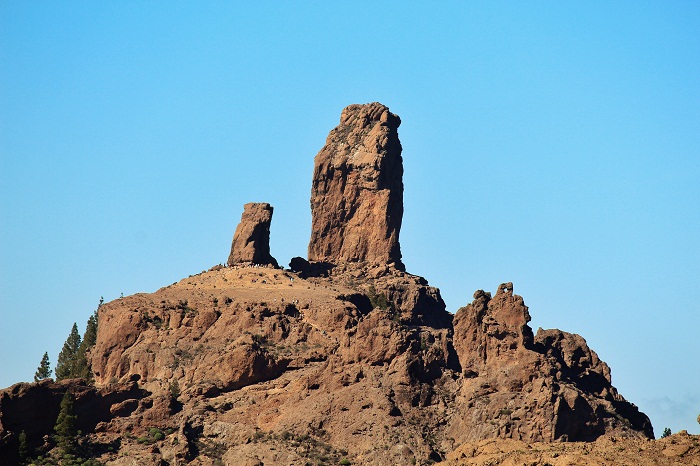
251 241
357 190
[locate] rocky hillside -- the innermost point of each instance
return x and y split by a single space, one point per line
344 358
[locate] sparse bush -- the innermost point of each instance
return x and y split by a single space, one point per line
377 300
259 339
505 412
174 389
185 309
666 432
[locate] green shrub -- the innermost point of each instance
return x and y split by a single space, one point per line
174 389
377 300
156 433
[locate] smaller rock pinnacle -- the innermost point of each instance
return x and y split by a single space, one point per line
251 241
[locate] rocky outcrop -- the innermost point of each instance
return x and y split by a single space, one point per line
357 190
364 357
171 334
33 408
407 297
323 357
680 449
546 387
343 357
251 241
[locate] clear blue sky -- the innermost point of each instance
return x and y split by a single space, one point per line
552 144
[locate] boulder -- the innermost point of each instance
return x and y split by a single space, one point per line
299 264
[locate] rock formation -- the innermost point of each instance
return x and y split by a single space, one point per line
251 241
32 408
345 357
542 388
680 449
357 190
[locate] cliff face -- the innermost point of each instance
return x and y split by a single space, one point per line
351 357
357 190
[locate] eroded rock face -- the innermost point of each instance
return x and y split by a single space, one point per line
311 357
251 241
409 297
33 408
534 388
363 357
357 190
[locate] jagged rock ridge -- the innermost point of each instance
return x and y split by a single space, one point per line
545 387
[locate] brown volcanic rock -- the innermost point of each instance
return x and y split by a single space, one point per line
409 297
357 190
292 370
33 408
206 329
270 362
678 449
271 354
351 357
251 241
542 388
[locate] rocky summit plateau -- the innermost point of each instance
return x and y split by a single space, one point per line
342 358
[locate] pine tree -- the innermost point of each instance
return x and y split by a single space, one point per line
23 447
66 426
83 367
44 369
66 367
90 337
